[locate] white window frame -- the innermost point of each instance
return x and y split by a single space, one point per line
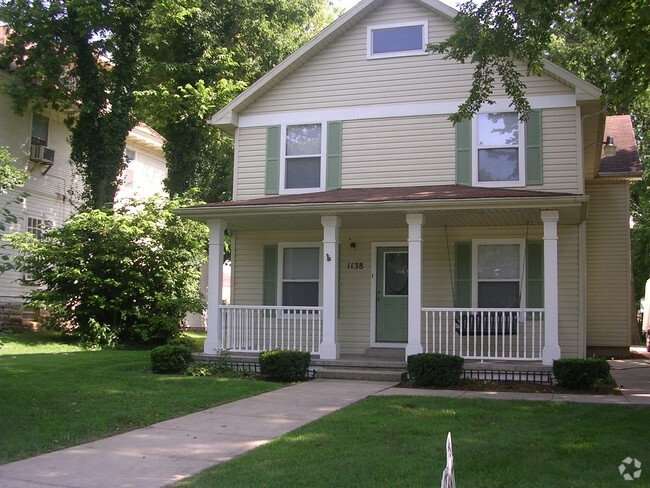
522 155
522 271
283 160
293 245
424 24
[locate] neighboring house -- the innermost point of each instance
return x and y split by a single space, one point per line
38 141
363 220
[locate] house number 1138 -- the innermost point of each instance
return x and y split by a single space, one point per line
355 265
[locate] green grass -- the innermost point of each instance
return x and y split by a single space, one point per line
399 442
56 394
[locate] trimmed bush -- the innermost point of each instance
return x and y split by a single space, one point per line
581 374
170 359
183 340
435 369
281 365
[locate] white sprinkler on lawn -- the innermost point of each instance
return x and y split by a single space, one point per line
448 478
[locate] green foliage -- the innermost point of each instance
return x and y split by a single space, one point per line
82 58
498 32
196 57
282 365
10 178
434 369
581 374
123 276
170 359
183 340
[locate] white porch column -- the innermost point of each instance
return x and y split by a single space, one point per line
329 348
414 345
551 349
213 343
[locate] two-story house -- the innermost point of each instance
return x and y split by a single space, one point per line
38 142
363 220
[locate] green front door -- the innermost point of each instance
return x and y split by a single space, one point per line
392 294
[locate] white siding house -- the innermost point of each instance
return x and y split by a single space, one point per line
363 220
38 142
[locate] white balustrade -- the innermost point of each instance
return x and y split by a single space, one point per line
247 328
474 333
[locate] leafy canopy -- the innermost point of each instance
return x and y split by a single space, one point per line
497 33
123 276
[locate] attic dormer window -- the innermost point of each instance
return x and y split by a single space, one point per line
404 39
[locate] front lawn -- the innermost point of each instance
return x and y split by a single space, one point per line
399 442
55 394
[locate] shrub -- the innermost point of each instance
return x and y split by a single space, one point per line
183 340
121 276
281 365
435 369
170 358
581 374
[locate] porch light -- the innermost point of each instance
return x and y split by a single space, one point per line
610 147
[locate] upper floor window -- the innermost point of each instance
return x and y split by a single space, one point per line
40 129
35 226
498 150
303 168
404 39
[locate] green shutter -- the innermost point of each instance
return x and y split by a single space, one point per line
334 143
463 274
464 152
272 173
270 276
534 170
535 275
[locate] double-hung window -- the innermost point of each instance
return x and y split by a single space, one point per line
300 276
403 39
302 157
40 129
498 273
498 150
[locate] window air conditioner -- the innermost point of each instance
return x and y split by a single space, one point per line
41 154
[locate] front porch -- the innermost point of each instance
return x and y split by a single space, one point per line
330 299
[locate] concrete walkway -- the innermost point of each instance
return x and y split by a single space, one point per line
170 451
167 452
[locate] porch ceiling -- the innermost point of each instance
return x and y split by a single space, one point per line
449 206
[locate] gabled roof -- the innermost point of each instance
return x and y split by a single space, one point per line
626 163
227 117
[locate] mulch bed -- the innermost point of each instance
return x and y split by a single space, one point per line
518 387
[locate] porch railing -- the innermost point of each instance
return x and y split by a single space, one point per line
475 333
248 328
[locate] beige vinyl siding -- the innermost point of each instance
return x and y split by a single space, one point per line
560 153
609 301
410 151
251 156
355 300
341 76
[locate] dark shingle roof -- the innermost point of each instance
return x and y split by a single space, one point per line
626 161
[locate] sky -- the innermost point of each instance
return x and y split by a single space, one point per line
346 4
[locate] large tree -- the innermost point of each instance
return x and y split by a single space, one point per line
498 32
81 57
199 54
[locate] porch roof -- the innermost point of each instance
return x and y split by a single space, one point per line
442 205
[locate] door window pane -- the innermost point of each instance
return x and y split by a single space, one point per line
396 274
